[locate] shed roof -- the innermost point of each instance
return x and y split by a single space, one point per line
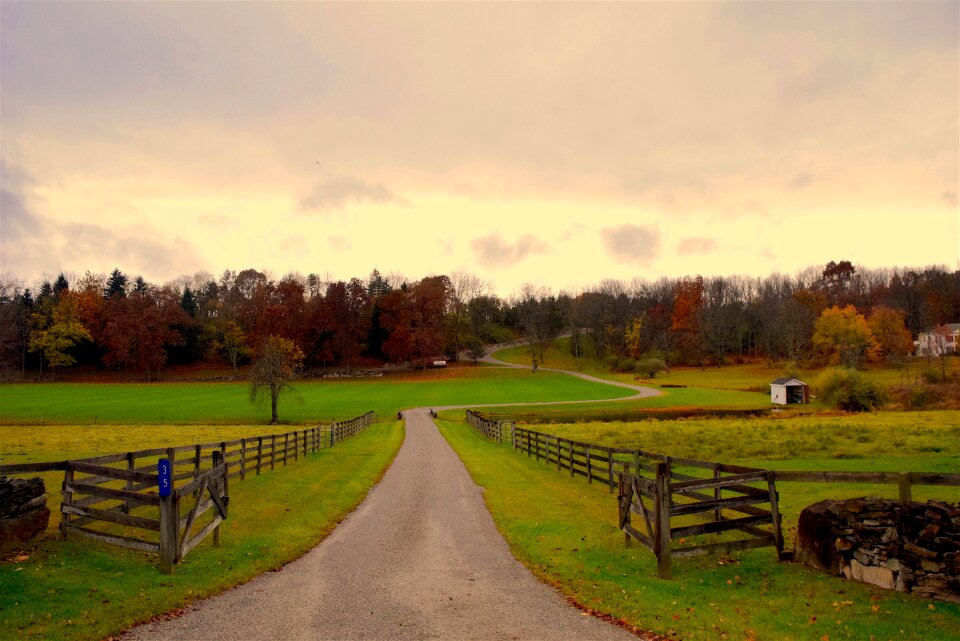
789 382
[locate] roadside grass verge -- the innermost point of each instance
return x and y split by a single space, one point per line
310 402
880 442
83 590
565 531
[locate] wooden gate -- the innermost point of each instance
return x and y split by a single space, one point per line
206 492
691 508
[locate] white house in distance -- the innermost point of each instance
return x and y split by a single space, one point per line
789 390
942 340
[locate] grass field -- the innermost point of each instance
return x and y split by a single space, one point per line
880 442
565 531
745 377
82 590
311 401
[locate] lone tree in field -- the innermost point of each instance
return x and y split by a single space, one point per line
278 363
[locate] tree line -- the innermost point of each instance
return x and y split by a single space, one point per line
113 322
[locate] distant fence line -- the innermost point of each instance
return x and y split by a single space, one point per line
110 488
677 488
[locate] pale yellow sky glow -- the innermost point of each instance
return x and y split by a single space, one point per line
556 144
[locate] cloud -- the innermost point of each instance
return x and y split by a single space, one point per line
493 251
219 221
632 243
747 208
950 198
335 193
695 246
34 244
801 181
339 243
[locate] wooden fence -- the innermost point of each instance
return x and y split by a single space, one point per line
709 506
340 430
114 498
491 429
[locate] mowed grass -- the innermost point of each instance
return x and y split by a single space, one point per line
311 401
754 377
83 590
565 530
880 442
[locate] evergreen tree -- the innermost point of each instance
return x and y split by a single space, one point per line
116 285
60 285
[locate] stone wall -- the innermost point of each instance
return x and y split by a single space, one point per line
23 509
909 547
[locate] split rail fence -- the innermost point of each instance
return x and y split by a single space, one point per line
686 507
116 498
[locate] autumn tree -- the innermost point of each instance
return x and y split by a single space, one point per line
685 320
279 361
226 339
140 327
54 335
894 341
844 336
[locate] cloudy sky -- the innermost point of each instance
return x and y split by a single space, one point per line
556 144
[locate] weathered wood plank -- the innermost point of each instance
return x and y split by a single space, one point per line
723 548
722 504
24 468
112 472
107 492
713 527
722 482
113 539
113 517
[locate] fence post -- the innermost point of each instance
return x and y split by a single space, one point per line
717 516
169 523
259 453
196 463
905 491
624 510
131 465
662 516
333 436
571 459
286 447
586 456
610 468
273 451
243 459
775 513
67 500
296 447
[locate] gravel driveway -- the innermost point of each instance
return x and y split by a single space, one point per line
419 559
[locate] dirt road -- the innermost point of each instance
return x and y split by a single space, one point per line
419 559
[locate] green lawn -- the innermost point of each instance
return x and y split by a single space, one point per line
881 442
565 531
744 377
83 590
311 401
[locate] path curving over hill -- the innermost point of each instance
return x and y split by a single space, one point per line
419 559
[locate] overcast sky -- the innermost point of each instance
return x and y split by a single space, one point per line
556 144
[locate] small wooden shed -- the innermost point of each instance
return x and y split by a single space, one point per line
789 390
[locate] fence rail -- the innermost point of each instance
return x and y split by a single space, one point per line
727 501
113 498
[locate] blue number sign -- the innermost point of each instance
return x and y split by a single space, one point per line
163 469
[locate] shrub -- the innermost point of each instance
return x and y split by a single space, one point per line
848 390
932 375
650 366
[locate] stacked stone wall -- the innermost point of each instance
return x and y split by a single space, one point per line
909 547
23 509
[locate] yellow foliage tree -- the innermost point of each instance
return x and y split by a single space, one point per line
843 334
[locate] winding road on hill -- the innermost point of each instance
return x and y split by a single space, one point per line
420 558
